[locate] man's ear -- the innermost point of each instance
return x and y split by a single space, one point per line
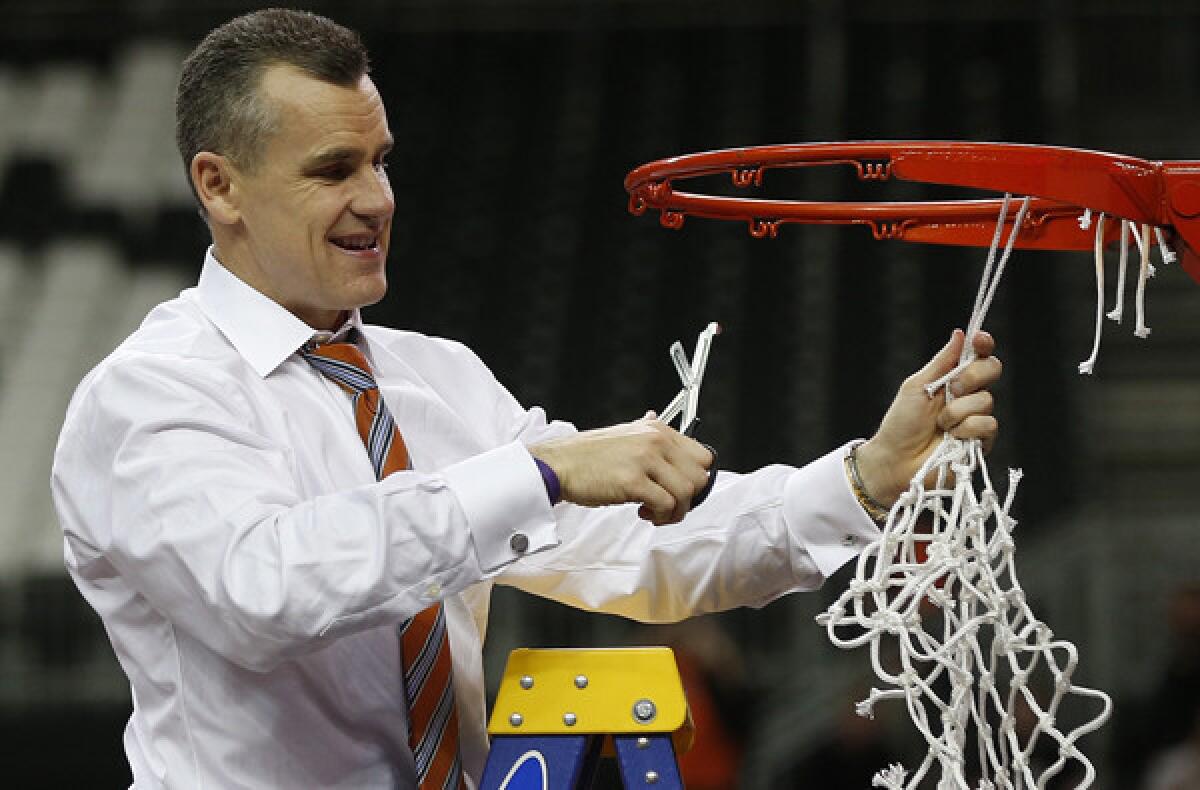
213 177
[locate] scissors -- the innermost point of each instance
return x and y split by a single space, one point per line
688 399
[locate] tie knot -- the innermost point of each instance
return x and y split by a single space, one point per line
344 364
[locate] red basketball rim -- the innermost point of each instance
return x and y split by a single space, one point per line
1063 182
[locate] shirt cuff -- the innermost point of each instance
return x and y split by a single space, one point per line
504 498
823 515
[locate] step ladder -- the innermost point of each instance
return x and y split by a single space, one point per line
559 711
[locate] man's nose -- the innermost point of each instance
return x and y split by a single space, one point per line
373 195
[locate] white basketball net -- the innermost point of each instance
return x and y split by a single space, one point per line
992 674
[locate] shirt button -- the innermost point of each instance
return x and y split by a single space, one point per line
519 543
433 591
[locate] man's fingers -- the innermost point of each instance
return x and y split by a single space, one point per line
977 426
675 481
662 506
946 359
697 452
960 409
682 475
657 503
984 344
979 375
684 450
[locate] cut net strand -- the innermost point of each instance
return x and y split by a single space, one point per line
992 272
1146 270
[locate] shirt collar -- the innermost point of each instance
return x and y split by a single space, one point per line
261 330
348 332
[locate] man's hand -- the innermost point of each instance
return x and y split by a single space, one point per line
644 461
915 422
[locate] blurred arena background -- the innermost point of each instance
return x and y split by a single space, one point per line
515 122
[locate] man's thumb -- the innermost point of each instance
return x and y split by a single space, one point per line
944 360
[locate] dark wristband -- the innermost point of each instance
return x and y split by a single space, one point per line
553 487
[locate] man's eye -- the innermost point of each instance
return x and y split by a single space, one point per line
335 173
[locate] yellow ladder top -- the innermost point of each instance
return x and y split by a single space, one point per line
592 691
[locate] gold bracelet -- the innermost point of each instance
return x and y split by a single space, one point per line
874 508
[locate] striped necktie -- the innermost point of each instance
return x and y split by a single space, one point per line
424 646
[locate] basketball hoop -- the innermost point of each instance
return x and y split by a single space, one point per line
1062 182
939 593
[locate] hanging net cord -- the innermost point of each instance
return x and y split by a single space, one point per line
992 674
1141 234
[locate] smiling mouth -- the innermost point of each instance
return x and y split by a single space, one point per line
357 243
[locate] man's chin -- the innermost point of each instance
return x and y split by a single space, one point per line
373 293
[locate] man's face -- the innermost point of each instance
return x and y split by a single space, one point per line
316 211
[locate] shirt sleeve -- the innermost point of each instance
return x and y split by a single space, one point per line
169 481
758 536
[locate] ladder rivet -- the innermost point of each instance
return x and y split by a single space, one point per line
644 711
651 777
526 682
569 719
581 681
516 719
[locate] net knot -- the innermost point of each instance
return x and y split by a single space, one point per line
892 622
1005 642
937 598
1069 751
938 553
1168 255
988 500
866 707
859 586
890 778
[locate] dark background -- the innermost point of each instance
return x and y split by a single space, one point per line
515 123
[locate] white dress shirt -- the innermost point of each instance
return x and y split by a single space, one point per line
221 515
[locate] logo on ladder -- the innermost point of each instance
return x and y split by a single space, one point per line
529 773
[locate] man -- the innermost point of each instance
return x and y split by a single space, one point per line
252 560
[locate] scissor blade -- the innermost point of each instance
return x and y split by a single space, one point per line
700 357
681 364
691 403
674 407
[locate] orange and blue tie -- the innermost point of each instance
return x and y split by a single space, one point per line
424 645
